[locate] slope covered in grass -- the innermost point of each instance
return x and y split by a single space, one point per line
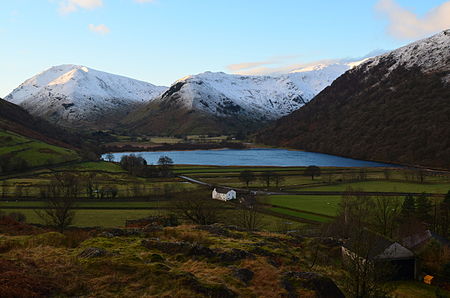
34 152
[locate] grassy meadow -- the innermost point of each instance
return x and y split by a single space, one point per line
33 152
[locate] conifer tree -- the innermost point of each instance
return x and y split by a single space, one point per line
423 208
408 207
444 209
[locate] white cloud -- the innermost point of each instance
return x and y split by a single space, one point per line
68 6
286 64
270 65
100 29
272 68
405 24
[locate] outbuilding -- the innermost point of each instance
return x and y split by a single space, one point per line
378 248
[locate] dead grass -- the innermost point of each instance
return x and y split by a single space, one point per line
266 281
49 266
186 233
209 273
10 226
75 237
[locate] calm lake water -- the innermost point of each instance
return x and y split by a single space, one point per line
254 157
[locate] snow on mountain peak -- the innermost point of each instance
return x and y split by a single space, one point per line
254 96
428 54
67 93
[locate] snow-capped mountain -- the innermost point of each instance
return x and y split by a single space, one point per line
214 102
78 95
429 55
224 95
256 97
73 95
314 78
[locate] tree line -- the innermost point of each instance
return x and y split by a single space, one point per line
136 165
273 178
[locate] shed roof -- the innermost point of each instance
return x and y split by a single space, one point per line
371 245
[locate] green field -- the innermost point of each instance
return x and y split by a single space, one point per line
96 166
103 174
384 186
117 218
34 152
93 218
108 174
331 179
112 204
299 214
326 205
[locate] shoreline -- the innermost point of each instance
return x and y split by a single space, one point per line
250 146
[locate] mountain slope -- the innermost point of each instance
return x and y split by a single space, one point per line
15 119
28 141
224 103
76 95
394 108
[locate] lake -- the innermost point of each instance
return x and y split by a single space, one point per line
254 157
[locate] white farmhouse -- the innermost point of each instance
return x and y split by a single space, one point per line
223 194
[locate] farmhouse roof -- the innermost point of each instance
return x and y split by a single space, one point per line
222 190
419 240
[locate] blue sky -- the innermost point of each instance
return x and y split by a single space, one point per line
160 41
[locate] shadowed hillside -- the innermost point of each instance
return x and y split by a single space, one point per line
16 119
384 110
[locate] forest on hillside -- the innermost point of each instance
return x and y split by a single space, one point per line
403 117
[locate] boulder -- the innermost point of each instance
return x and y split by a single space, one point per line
234 255
182 247
164 221
208 290
93 252
110 233
151 228
155 258
243 274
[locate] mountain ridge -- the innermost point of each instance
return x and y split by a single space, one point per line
217 102
71 95
392 108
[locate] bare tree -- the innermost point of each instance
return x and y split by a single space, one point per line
165 166
386 213
247 177
266 177
248 215
195 207
59 201
277 179
4 190
444 215
362 174
365 276
89 182
18 191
